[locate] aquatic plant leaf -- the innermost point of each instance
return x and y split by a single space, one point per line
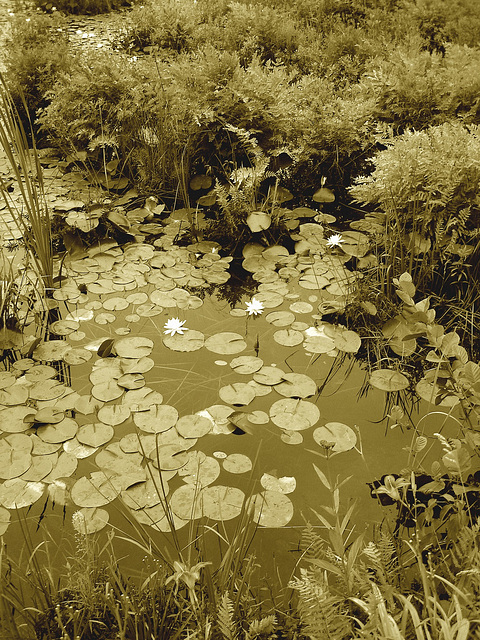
317 342
291 437
226 343
258 221
237 463
115 304
271 509
64 327
246 365
199 470
169 457
269 299
133 347
142 399
40 468
107 391
186 502
340 435
269 375
59 432
17 493
4 520
145 494
89 520
77 356
157 419
190 341
15 455
388 380
296 385
65 467
323 195
294 415
280 318
114 415
222 503
50 415
6 379
16 419
286 484
193 426
51 351
15 395
87 404
47 390
347 340
238 393
95 434
288 337
258 417
77 449
94 491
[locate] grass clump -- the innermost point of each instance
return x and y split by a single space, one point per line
79 7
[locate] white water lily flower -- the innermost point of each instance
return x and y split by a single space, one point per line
335 240
254 307
174 325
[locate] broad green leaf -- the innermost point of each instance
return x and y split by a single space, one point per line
388 380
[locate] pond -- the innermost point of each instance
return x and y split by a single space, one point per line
164 388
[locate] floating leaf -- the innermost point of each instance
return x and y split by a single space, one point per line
271 509
246 365
17 493
94 491
16 419
238 393
340 435
296 385
191 340
4 520
157 419
237 463
186 502
89 520
51 351
258 221
388 380
225 343
107 391
54 433
286 484
280 318
288 337
291 437
294 415
193 426
114 415
199 470
222 503
133 347
269 375
323 195
15 455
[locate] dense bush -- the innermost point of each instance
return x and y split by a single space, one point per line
37 52
81 6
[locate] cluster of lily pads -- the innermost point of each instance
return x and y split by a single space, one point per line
145 452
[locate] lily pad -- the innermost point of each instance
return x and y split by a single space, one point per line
291 437
271 509
114 415
388 380
258 221
193 426
186 502
288 337
296 385
200 470
286 484
191 340
294 415
107 391
51 351
15 455
95 434
237 463
157 419
340 435
246 365
222 503
133 347
89 520
4 520
269 375
17 493
16 419
94 491
238 393
226 343
59 432
280 318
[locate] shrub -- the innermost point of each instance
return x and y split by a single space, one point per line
414 88
81 6
427 185
37 53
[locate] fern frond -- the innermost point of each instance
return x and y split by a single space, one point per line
225 621
265 626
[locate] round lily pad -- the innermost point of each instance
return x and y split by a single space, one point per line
186 502
200 470
271 509
95 434
114 414
318 344
193 426
222 503
131 381
238 393
89 520
87 404
47 390
59 432
94 491
301 307
258 417
288 337
226 343
191 340
107 391
294 415
237 463
142 399
291 437
246 365
64 468
40 468
16 419
15 455
169 457
388 380
218 414
17 493
51 351
4 520
158 418
78 449
77 356
145 494
343 437
280 318
133 347
269 375
296 385
346 340
286 484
